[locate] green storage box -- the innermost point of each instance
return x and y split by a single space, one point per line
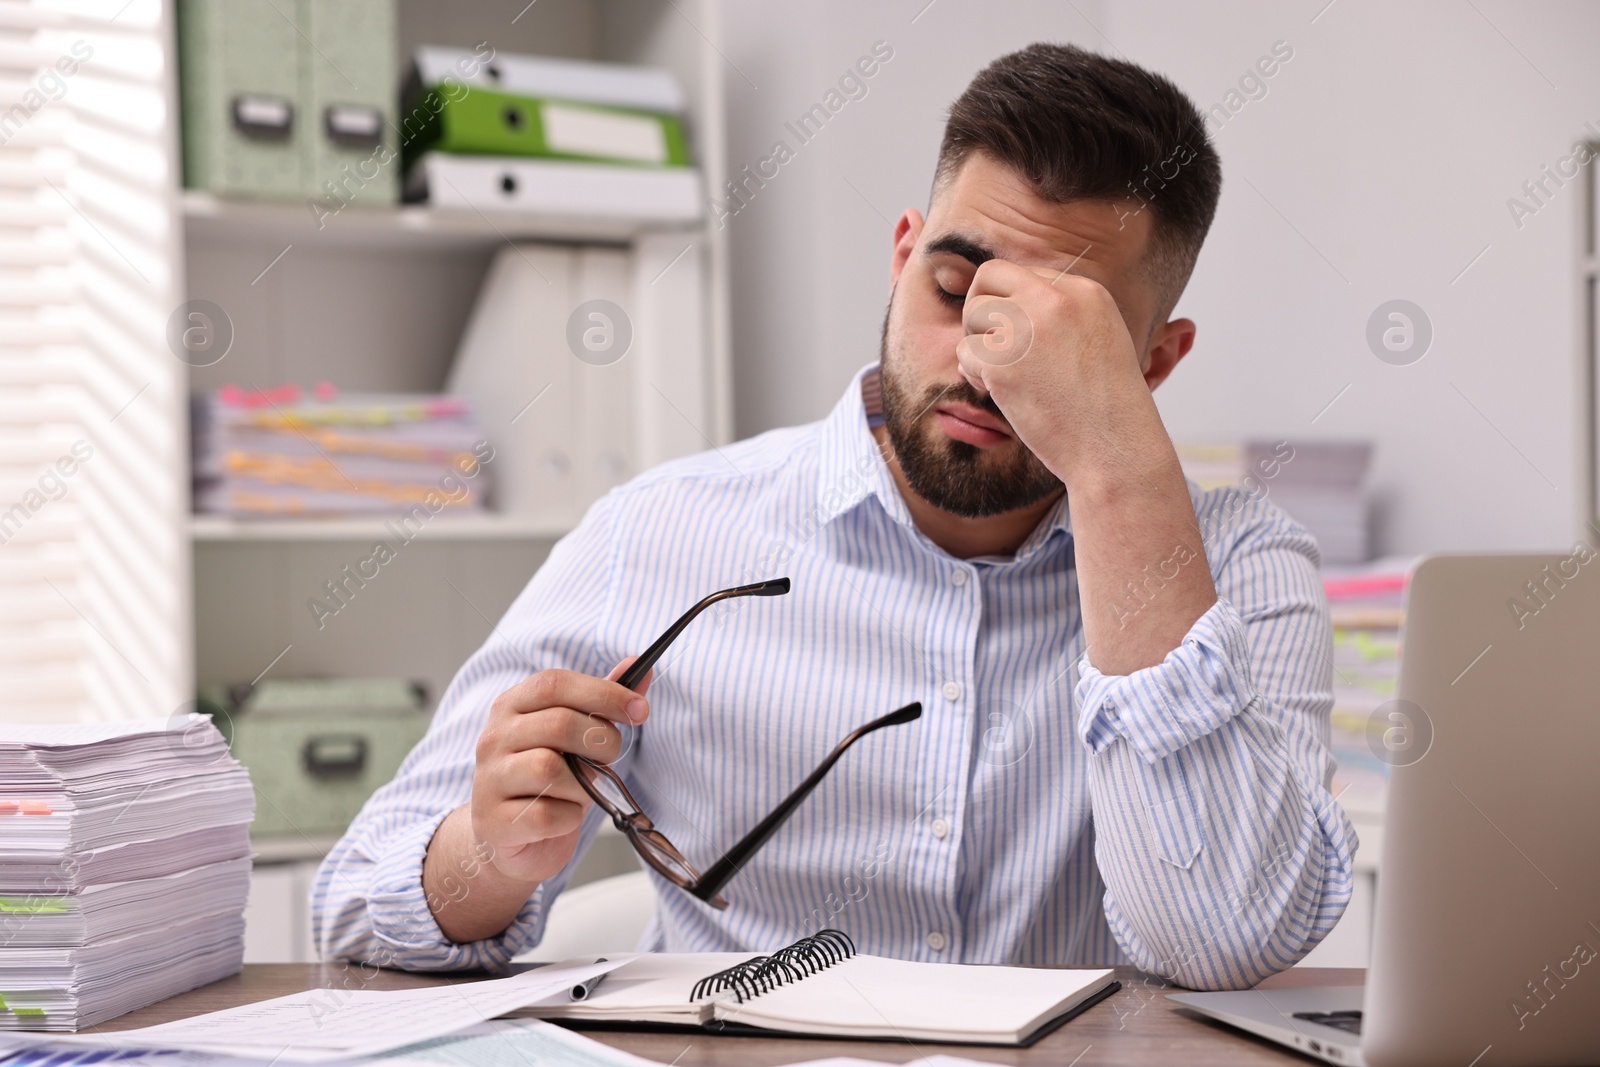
316 749
244 130
351 85
290 100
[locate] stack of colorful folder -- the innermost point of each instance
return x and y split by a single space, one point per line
1366 609
545 135
281 453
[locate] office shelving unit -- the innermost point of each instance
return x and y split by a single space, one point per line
376 299
129 598
121 599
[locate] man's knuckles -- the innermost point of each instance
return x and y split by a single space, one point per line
543 690
546 766
537 820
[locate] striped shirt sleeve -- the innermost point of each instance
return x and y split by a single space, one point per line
368 902
1225 859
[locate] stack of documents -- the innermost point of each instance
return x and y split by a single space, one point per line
1365 605
124 867
1212 465
277 452
1320 484
539 134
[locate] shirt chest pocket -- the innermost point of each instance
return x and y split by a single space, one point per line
1176 814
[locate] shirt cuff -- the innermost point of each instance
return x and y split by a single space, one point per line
1199 686
404 926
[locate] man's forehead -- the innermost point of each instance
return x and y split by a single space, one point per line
988 205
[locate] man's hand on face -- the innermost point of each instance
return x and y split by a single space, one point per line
1053 351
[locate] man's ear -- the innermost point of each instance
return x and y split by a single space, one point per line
906 232
1169 344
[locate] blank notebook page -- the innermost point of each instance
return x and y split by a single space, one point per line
655 986
870 995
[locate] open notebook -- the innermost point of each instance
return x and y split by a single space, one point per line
819 986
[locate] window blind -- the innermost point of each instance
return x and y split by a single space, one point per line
94 565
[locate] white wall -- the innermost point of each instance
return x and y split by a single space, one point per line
810 254
1381 160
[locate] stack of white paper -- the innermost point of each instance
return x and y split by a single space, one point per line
124 867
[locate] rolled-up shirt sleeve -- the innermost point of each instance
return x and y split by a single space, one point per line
1225 857
368 903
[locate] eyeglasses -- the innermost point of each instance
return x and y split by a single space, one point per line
605 786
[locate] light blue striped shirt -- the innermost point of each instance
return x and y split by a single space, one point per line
1039 812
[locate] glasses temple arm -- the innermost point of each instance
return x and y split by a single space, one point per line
636 671
721 872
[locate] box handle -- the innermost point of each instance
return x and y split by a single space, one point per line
265 118
334 755
353 126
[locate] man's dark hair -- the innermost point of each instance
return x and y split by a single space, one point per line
1081 126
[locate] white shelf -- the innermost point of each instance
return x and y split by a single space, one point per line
217 528
213 219
1369 830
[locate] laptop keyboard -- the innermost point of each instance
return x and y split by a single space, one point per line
1348 1021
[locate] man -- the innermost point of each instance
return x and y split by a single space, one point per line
1126 681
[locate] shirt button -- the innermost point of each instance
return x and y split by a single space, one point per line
940 828
936 941
958 577
952 691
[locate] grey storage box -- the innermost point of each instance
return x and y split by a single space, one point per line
316 749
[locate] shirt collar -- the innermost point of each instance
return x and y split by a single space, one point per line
851 468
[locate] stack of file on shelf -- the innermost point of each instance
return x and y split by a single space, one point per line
280 453
1320 484
551 136
1212 465
1365 605
124 867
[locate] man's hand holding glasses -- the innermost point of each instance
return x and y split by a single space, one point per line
522 823
544 757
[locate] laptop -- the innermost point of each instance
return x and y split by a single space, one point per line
1486 934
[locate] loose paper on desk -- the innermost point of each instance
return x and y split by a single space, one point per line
851 1061
506 1043
322 1025
512 1043
529 1042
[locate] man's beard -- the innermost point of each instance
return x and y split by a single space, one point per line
953 475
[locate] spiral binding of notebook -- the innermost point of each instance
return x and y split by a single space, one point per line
753 977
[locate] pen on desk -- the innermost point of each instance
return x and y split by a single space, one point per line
582 990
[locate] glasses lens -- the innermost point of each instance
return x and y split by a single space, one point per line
607 789
653 844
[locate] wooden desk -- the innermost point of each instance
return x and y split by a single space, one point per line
1137 1025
